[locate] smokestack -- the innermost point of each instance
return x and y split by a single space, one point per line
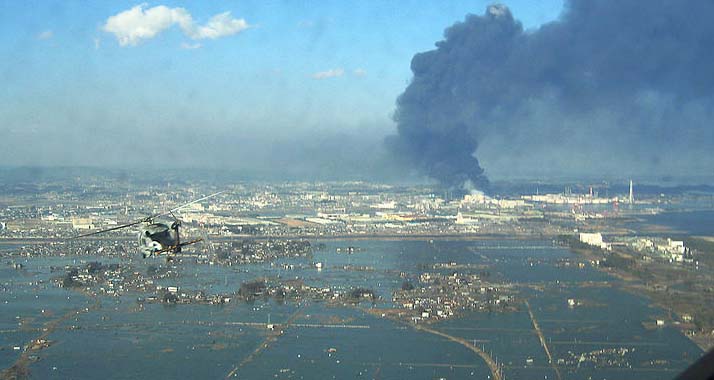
631 198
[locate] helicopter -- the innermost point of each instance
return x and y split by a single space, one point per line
158 238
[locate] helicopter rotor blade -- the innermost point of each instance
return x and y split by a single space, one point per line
109 229
188 204
149 218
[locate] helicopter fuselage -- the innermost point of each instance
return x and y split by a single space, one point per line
157 237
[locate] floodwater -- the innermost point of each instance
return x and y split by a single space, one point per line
688 222
603 338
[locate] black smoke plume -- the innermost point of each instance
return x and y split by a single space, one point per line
610 84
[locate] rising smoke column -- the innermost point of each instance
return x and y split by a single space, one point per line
615 80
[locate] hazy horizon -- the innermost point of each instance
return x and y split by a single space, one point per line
522 91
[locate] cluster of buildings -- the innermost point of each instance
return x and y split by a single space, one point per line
176 295
438 296
117 279
257 251
617 357
662 248
112 279
286 209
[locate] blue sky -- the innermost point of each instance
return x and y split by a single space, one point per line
66 78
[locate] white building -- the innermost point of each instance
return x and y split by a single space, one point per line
594 239
82 223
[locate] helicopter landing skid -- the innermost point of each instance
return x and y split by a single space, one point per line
176 248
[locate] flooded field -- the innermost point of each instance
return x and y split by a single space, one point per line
601 334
